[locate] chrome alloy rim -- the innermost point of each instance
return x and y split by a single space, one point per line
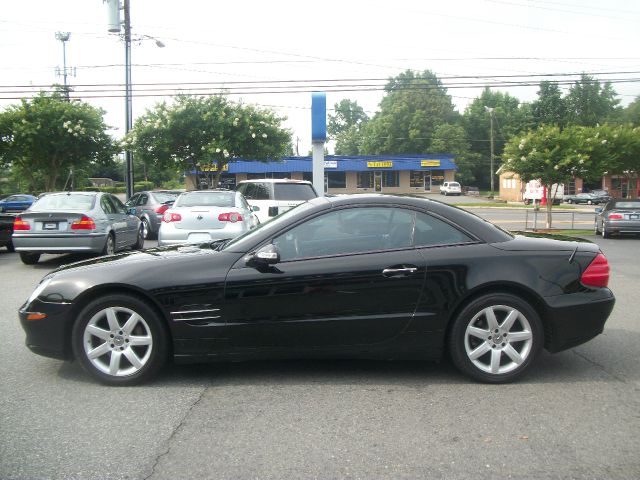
498 339
117 341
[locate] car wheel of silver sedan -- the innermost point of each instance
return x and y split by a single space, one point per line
495 338
139 245
120 340
146 228
109 246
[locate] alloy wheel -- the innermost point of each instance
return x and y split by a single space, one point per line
117 341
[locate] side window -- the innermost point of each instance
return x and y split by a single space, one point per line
433 231
350 230
242 188
133 200
118 206
142 199
249 191
262 192
106 205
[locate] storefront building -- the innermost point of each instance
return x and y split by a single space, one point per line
344 174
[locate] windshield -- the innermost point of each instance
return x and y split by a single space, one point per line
207 199
293 191
71 201
163 197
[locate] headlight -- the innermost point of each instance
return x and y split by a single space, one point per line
39 289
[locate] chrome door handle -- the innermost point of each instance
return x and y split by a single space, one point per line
390 272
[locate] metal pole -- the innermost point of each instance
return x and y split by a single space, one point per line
318 167
64 65
128 95
491 121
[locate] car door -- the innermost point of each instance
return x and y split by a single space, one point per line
131 221
349 277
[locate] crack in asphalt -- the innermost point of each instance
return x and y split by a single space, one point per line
601 367
174 432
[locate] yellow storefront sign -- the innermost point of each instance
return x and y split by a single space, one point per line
214 168
388 164
429 163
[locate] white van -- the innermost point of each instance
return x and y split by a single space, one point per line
273 196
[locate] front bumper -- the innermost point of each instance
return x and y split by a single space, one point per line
577 318
51 336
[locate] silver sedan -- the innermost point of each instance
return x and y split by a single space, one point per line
206 215
91 222
618 217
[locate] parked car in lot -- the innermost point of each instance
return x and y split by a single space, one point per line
618 217
91 222
587 198
6 229
450 188
150 206
205 215
364 276
16 203
274 196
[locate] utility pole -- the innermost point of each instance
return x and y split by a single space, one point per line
490 110
64 37
128 95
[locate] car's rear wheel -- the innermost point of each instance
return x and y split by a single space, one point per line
10 247
119 340
139 245
110 245
29 258
148 233
605 233
495 338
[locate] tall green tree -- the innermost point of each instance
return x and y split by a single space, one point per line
452 139
509 118
550 107
590 103
197 131
45 137
345 126
415 103
631 114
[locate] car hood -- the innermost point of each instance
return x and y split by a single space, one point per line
530 241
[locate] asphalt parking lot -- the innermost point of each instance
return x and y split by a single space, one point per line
575 416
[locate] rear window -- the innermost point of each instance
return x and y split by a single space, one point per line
628 204
162 197
206 199
293 191
77 201
454 184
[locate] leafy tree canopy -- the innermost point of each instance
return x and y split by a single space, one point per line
207 130
44 137
415 103
590 103
550 108
452 139
632 112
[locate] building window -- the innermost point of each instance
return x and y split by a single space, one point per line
390 179
260 176
336 179
365 180
437 177
416 179
308 176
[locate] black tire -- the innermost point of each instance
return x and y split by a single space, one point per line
10 247
605 234
464 345
596 229
149 233
29 258
139 245
569 201
109 245
117 365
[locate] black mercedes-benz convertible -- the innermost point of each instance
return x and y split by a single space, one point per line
363 276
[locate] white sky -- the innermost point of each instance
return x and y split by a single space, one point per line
256 41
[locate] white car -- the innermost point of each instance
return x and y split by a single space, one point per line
205 215
272 196
450 188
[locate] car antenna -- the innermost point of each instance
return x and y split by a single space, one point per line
573 255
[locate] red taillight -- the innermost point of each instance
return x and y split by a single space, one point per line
161 209
19 224
615 216
85 223
232 217
597 273
171 217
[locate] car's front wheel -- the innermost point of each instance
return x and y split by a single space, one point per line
120 340
139 245
495 338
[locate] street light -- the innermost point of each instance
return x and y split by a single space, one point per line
64 37
490 110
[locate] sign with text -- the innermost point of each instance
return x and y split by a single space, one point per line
429 163
214 168
330 164
387 164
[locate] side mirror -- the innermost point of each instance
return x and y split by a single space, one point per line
599 209
255 208
131 211
267 255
